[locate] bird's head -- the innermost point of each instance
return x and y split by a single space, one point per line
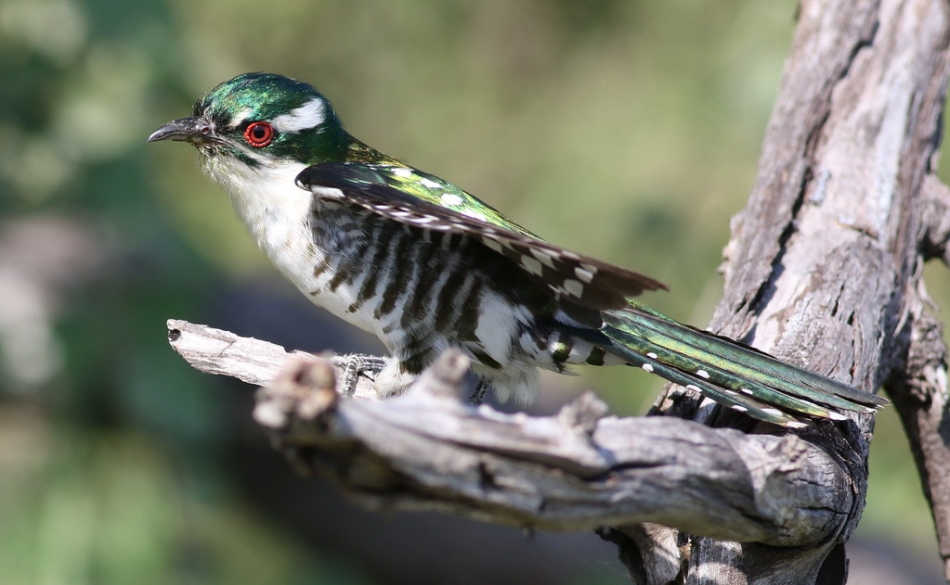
261 119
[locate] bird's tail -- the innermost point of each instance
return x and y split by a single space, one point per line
729 372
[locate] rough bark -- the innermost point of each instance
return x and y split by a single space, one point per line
823 270
824 265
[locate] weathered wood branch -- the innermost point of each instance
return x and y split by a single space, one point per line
579 470
825 259
918 384
935 240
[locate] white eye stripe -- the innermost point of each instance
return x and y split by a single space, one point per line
309 115
241 117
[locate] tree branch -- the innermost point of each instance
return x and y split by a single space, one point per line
578 470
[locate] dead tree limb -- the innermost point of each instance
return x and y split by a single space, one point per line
579 470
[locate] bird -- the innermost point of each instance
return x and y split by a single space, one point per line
426 266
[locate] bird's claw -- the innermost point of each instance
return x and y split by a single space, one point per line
354 366
481 391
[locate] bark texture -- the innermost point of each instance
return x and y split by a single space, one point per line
825 261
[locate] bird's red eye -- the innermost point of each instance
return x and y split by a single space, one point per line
259 134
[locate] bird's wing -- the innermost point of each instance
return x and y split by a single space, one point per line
425 202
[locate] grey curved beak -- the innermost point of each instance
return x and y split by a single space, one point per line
182 130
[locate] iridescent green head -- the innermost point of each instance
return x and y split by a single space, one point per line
260 118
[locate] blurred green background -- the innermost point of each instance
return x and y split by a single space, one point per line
629 130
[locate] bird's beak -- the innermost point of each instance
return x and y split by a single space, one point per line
182 130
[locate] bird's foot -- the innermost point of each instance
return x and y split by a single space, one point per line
481 391
356 365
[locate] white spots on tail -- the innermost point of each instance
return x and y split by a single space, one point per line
647 368
430 183
651 355
702 374
772 411
836 415
739 408
402 172
309 115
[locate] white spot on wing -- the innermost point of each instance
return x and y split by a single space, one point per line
309 115
702 374
423 219
531 265
451 199
473 214
492 244
573 287
651 355
328 193
546 257
647 368
583 275
740 408
430 183
402 172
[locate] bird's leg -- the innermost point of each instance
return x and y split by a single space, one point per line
355 365
481 391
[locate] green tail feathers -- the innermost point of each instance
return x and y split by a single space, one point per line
728 372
